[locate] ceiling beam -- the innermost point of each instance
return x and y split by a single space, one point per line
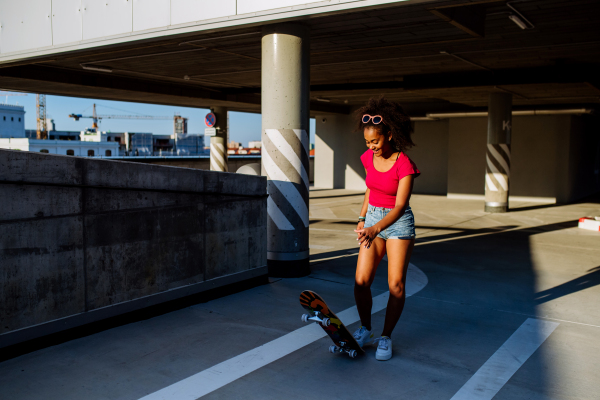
84 84
521 76
467 18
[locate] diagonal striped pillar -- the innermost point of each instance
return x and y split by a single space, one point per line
285 145
218 154
497 174
218 143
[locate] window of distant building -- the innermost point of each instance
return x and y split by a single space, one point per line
109 139
108 153
44 151
19 119
5 118
12 118
70 152
90 153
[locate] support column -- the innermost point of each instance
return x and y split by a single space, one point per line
218 143
497 177
285 124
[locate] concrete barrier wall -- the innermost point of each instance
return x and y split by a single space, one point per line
234 162
84 239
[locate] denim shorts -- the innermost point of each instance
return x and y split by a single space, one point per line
403 228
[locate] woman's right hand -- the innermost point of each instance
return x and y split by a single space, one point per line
360 226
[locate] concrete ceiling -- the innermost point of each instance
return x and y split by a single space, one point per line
430 56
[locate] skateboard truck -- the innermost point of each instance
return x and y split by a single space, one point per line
343 349
316 318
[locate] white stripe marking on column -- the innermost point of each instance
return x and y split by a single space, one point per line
303 136
284 185
490 183
218 153
503 364
286 150
506 149
499 158
497 174
216 377
283 224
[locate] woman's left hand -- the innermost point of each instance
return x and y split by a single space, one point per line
366 236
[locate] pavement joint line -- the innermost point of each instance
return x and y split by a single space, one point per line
322 260
217 376
505 362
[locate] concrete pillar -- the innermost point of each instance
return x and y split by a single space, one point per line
285 152
497 176
218 143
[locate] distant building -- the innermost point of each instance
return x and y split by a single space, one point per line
180 125
93 142
164 145
12 121
244 151
189 145
255 144
139 144
66 147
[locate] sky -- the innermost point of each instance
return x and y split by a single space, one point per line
243 127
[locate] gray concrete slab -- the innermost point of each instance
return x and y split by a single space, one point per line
487 274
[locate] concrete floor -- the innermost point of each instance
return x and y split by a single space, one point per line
487 274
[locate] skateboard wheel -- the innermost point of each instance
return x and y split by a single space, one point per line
305 317
333 349
325 322
352 353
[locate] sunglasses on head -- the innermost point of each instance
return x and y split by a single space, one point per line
375 118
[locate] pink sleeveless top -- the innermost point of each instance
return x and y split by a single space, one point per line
384 185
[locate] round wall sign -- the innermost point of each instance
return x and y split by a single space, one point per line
210 120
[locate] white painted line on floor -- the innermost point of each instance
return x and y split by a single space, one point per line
319 247
228 371
502 365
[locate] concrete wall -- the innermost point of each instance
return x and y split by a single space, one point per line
581 170
552 157
84 239
235 162
555 158
467 143
431 156
338 148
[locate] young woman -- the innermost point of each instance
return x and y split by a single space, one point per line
386 223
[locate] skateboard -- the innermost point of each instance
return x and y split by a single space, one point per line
320 313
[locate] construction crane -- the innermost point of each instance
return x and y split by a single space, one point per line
42 131
7 94
97 118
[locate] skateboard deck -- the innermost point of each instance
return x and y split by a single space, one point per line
320 313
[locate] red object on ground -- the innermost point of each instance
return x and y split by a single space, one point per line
589 223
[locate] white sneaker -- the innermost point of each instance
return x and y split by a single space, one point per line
384 349
362 336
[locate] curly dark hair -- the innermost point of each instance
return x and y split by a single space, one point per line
395 120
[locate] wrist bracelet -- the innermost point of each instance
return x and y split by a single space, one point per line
361 218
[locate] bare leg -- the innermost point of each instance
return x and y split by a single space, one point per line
368 260
398 252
